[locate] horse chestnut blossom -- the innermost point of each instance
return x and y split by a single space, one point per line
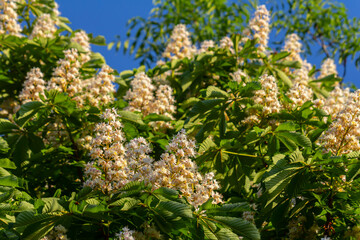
180 45
335 102
44 27
115 164
176 170
141 98
300 92
238 76
83 40
267 96
226 43
58 233
343 135
205 45
293 46
260 25
66 76
8 18
99 89
328 68
33 86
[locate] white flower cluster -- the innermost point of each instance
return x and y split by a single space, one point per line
267 97
293 46
66 76
260 25
335 102
107 170
83 40
125 234
226 43
58 233
205 45
33 86
327 68
180 45
44 27
176 170
343 134
238 76
141 98
8 18
114 165
150 232
300 92
99 89
139 162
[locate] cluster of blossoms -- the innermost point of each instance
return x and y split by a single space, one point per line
267 96
58 233
33 86
343 134
125 234
238 76
176 170
180 45
260 25
293 46
141 98
328 68
45 27
8 18
66 76
83 40
107 170
114 164
335 102
226 43
205 45
99 89
150 232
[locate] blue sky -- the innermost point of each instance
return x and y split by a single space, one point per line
109 17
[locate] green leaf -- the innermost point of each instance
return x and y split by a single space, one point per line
284 77
155 117
214 92
132 117
6 163
239 226
10 181
280 55
6 126
29 217
126 203
175 209
98 40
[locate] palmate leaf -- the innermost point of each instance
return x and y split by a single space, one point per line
38 230
227 208
7 127
239 226
293 139
226 234
125 204
277 182
172 209
28 217
206 105
214 92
